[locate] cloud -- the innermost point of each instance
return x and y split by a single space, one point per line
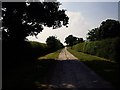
78 26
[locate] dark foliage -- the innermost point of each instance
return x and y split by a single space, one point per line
21 19
108 29
72 40
53 43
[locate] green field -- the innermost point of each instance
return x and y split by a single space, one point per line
103 67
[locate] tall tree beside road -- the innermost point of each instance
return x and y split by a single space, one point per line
108 29
21 19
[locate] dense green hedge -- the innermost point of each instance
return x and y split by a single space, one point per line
18 53
108 48
35 49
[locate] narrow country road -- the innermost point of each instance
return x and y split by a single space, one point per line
65 55
71 73
65 73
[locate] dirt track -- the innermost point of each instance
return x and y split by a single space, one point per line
71 73
65 55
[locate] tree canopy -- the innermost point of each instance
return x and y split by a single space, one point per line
53 43
108 29
21 19
72 40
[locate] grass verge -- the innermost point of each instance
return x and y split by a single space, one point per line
105 68
53 55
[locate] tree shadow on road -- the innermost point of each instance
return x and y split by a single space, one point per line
108 70
26 76
36 75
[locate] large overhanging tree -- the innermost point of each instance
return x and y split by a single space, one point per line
21 19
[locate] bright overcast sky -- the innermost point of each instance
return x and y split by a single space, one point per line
83 16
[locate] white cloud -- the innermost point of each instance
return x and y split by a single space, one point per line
78 26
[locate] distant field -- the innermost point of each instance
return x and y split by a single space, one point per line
103 67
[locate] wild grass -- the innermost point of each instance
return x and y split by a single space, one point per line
107 48
53 55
